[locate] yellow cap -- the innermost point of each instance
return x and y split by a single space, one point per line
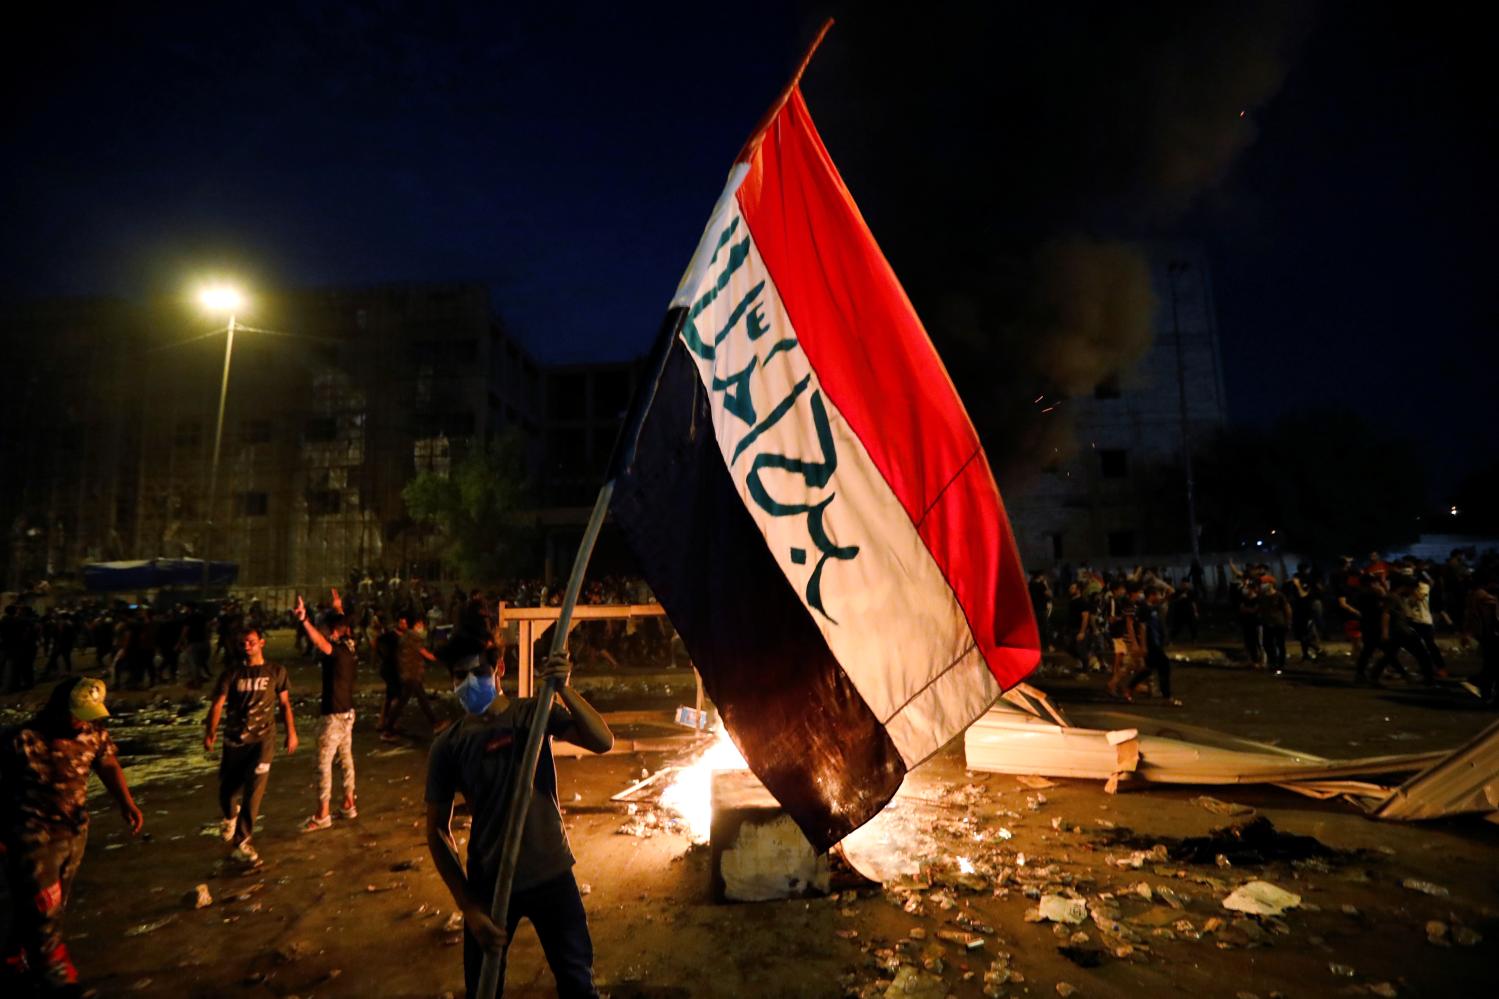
87 701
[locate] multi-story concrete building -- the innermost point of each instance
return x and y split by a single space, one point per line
1120 494
338 397
335 400
69 433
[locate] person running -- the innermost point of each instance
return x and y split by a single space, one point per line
252 690
335 736
1153 631
1423 626
1302 590
477 758
387 649
44 768
1275 615
1397 632
412 657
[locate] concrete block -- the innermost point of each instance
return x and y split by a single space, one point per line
757 851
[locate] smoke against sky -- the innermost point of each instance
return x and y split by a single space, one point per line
1009 160
1006 155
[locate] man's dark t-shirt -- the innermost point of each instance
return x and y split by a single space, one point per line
338 677
476 758
1076 608
387 648
251 694
1400 622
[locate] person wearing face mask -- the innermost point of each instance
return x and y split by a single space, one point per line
478 758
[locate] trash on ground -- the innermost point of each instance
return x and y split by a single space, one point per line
1261 898
1218 807
1058 909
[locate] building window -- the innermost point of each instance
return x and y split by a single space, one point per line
321 429
1113 463
1121 544
1055 537
324 502
1107 389
256 431
188 433
254 504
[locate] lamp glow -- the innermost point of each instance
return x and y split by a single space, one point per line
221 298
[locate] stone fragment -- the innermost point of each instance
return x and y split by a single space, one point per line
912 983
1261 898
1059 909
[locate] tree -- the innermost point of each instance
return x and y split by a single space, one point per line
1325 481
478 510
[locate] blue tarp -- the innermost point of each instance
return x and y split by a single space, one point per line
150 574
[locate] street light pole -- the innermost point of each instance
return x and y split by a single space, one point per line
213 467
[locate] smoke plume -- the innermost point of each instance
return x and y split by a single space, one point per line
1013 161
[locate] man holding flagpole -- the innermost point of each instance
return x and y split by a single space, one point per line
804 492
478 758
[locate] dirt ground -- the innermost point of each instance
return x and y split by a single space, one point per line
358 910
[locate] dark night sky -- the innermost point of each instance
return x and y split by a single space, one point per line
570 160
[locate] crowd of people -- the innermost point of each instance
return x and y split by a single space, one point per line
1121 622
45 764
182 641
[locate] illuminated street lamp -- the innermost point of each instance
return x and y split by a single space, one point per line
219 299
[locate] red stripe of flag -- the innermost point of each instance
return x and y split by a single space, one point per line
878 367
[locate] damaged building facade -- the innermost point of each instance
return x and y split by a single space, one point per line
336 399
1119 496
339 396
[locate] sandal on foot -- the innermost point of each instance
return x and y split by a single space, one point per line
352 812
313 823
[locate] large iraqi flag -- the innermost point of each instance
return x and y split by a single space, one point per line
809 501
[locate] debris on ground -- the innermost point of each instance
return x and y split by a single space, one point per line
1059 909
1261 898
151 927
1425 887
911 983
1218 807
1034 782
1246 843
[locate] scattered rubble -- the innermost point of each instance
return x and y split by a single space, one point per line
1425 887
1261 898
1057 909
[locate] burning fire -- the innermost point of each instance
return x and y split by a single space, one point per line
690 793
